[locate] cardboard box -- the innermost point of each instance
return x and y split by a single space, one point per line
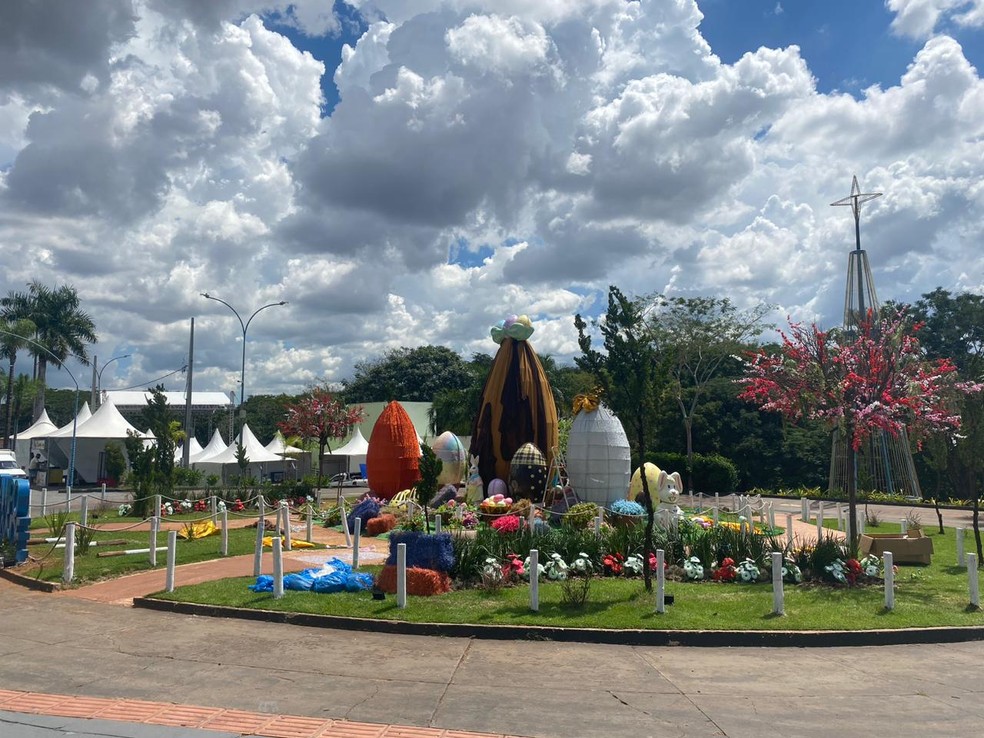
914 548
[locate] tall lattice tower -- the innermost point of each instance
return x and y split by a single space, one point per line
884 462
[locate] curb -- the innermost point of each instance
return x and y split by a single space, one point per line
23 581
695 638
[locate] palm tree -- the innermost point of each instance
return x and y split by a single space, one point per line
61 327
12 340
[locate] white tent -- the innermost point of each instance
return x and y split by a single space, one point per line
41 428
194 448
66 430
279 446
216 445
354 450
106 424
255 451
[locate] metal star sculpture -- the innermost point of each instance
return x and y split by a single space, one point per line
854 200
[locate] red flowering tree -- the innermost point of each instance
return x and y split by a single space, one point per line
871 377
320 416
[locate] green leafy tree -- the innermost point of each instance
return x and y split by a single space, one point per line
697 336
430 470
952 327
410 374
14 337
152 467
454 408
61 326
629 374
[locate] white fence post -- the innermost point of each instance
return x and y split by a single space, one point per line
345 528
261 506
310 525
972 582
438 524
660 581
44 501
357 533
804 510
819 521
68 499
157 506
715 516
172 546
213 509
285 511
789 528
102 494
68 570
597 525
258 550
84 510
278 570
778 597
535 580
155 526
225 533
904 527
401 575
889 565
961 559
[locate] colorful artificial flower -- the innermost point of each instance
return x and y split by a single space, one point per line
725 572
747 571
612 564
582 565
556 567
540 569
506 524
693 569
123 510
633 566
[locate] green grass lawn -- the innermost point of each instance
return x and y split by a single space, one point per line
934 595
90 568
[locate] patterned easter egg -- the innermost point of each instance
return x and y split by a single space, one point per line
527 473
449 449
598 457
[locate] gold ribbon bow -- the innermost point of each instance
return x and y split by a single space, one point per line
588 402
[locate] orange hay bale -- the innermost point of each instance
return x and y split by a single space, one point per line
420 582
383 524
392 461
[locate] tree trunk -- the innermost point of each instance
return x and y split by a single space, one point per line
39 398
852 497
10 407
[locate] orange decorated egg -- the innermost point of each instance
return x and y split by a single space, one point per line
393 457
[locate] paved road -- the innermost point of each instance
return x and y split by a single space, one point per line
69 646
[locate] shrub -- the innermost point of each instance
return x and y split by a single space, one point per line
711 473
580 515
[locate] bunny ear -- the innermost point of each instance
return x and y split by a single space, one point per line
675 476
661 479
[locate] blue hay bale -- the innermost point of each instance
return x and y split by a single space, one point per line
264 583
424 551
366 510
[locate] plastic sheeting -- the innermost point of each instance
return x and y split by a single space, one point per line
334 576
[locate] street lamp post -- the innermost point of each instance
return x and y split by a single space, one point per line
245 327
97 383
75 415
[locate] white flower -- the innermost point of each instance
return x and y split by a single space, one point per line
747 571
540 569
693 568
582 564
124 510
634 563
221 505
556 568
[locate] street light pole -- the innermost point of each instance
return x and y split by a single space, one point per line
75 416
245 327
98 383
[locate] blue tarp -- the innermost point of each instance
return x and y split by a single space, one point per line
334 576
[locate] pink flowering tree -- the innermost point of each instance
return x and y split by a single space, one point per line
872 377
320 416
